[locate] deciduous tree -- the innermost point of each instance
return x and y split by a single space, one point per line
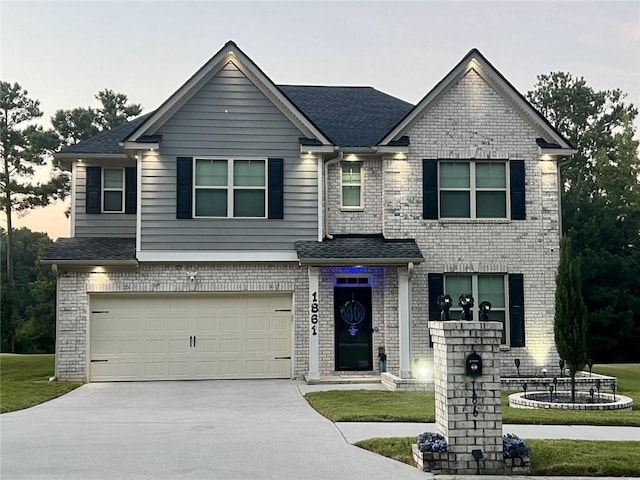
600 206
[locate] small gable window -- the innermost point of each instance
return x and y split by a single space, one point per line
230 188
351 185
113 190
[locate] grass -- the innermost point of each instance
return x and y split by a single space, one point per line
24 381
382 406
548 457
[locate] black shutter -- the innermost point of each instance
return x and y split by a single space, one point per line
436 288
94 181
276 188
516 309
184 187
130 187
518 209
430 189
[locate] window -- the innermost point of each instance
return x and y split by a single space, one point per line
230 188
113 190
473 189
351 185
483 287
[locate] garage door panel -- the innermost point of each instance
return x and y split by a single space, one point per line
147 337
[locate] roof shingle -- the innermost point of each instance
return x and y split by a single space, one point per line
360 249
92 250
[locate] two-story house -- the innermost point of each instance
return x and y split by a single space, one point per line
251 230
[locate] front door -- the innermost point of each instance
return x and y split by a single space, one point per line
352 310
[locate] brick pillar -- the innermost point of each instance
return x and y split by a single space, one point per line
452 342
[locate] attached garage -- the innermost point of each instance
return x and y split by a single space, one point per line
183 337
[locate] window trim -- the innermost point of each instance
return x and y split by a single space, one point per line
230 187
473 190
352 208
103 189
476 307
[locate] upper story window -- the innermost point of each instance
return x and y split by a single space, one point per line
110 190
230 188
473 189
113 190
351 185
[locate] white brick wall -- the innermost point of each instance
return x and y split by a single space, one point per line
75 288
472 121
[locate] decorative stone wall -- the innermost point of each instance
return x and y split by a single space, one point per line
453 341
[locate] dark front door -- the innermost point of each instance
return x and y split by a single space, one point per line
352 310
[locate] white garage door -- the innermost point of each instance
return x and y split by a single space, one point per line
183 337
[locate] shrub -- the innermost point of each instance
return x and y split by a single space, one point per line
432 442
514 447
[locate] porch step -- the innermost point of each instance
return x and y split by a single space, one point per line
344 378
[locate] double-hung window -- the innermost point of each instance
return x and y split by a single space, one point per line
473 189
230 188
351 185
483 287
113 190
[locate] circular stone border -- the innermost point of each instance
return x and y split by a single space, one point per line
518 400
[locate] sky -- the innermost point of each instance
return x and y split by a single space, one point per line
63 53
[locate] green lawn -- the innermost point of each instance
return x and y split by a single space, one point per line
381 406
24 381
548 457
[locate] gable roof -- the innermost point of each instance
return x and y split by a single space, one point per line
349 116
229 53
474 60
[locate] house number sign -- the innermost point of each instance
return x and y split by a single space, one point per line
315 307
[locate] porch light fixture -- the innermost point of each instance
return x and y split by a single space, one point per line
485 308
444 302
466 302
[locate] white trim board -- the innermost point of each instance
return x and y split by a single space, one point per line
230 256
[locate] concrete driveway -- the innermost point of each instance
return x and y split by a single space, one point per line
260 429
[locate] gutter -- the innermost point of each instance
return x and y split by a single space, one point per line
341 262
92 263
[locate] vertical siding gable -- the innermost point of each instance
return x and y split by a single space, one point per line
228 117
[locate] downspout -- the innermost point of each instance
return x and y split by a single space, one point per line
326 192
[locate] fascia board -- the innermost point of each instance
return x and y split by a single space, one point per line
318 149
140 146
226 256
93 263
343 262
474 61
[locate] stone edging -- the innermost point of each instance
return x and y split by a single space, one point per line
518 400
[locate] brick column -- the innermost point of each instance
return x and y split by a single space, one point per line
452 342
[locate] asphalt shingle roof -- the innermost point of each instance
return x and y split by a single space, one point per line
360 249
107 142
348 116
91 249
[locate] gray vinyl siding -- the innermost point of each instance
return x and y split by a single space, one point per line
251 127
100 224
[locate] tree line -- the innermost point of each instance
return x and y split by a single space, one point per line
600 203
